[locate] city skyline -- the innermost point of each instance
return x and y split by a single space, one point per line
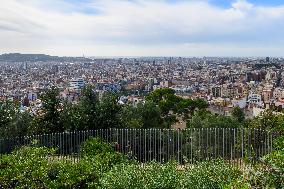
143 28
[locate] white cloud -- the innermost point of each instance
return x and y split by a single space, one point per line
140 27
242 5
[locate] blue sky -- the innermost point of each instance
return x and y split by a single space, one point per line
227 3
143 27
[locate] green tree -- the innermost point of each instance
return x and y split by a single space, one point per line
109 112
49 120
238 114
88 108
8 112
72 117
131 117
205 119
150 115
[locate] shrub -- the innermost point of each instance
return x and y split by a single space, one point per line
166 176
26 167
94 148
211 174
274 164
67 174
152 175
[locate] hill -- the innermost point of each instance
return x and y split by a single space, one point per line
17 57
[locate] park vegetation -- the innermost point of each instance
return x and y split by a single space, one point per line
100 166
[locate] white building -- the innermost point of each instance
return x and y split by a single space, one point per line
254 99
76 84
32 96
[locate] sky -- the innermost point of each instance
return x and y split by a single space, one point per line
143 27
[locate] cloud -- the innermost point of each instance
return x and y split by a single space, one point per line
242 5
140 27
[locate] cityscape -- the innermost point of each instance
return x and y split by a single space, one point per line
141 94
253 84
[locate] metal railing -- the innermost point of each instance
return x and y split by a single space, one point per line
162 145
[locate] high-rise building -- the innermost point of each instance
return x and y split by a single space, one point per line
25 66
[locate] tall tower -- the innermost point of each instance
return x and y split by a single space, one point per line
25 66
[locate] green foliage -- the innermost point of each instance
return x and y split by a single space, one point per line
172 106
97 150
267 121
160 94
26 167
273 123
152 175
109 112
215 174
132 116
35 167
275 168
49 121
88 108
67 174
145 115
205 119
12 122
73 117
238 114
58 115
155 175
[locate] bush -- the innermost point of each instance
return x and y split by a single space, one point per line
67 174
152 175
266 174
215 174
33 167
94 148
212 174
26 167
101 167
274 163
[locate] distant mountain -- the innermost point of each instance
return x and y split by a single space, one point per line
17 57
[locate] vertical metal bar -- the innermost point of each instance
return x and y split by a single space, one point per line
199 144
207 138
191 144
187 145
263 143
249 144
149 144
160 145
266 141
223 143
254 144
145 144
215 145
134 148
168 145
178 145
128 140
242 140
271 137
234 145
121 141
156 154
173 144
140 146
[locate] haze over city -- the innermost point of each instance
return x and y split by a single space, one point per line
143 28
